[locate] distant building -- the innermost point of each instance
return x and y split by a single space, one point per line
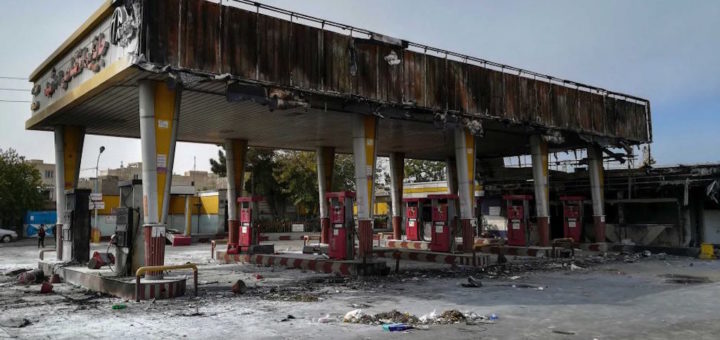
47 175
202 180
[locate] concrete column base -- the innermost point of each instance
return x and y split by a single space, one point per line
325 230
468 235
154 249
599 223
543 225
396 225
365 237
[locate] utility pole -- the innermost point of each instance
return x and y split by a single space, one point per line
97 180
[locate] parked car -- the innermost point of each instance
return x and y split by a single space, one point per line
7 235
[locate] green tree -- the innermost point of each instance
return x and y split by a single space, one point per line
343 173
417 170
219 166
297 175
262 166
20 188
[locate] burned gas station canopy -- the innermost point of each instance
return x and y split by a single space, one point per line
285 80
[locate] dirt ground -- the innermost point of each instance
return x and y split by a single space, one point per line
612 297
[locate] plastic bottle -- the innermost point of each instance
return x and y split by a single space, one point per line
396 327
493 316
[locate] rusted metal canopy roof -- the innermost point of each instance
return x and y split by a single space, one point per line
314 72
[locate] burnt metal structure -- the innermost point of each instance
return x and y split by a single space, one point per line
247 74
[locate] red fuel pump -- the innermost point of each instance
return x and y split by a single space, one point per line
414 220
444 220
572 216
517 216
342 242
249 226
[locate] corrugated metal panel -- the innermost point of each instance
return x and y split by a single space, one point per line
221 39
414 77
239 43
274 50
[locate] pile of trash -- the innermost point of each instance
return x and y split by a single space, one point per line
452 316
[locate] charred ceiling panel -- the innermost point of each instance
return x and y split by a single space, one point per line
211 38
161 31
239 43
274 50
414 77
365 81
510 98
338 62
306 57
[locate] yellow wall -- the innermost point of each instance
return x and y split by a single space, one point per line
177 204
209 204
380 208
111 202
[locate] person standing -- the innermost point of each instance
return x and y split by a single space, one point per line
41 236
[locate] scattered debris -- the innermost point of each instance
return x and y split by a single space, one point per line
15 272
239 287
685 279
563 332
326 319
395 316
284 295
647 253
288 318
28 277
357 316
450 316
258 277
472 283
15 322
46 288
359 305
119 306
574 267
429 318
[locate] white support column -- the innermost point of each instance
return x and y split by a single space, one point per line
397 175
325 157
465 165
235 151
159 105
59 189
188 215
539 155
230 176
364 153
148 152
595 170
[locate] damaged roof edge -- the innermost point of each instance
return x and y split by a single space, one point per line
459 56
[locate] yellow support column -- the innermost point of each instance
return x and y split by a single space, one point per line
364 153
159 106
68 153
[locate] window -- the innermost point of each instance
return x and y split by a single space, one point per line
49 173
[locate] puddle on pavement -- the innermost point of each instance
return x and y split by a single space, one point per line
685 279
